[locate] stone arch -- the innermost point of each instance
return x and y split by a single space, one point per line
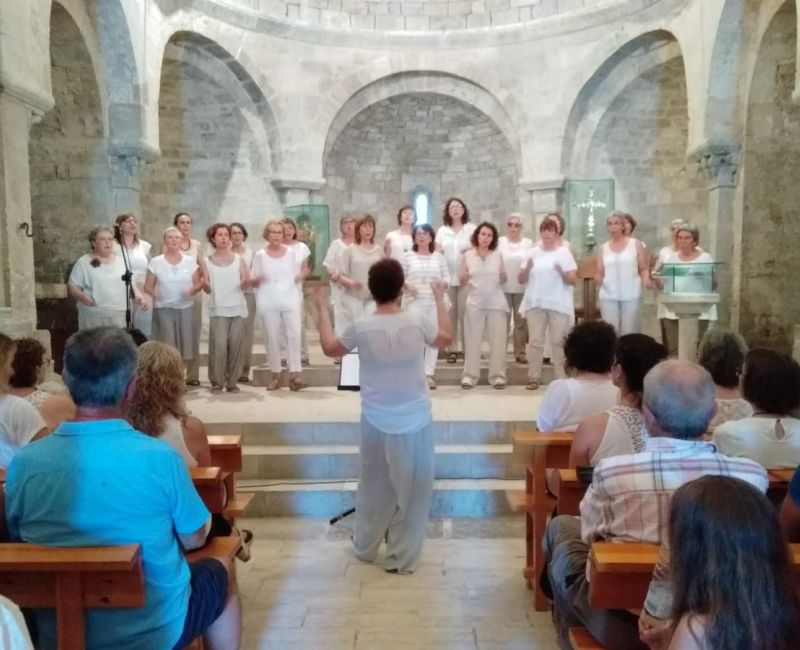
438 83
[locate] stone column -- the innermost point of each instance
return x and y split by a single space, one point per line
18 111
298 191
718 164
545 196
127 164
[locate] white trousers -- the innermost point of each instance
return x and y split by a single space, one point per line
394 495
493 322
546 325
271 323
458 305
431 352
622 314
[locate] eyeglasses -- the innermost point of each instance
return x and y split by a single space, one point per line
514 225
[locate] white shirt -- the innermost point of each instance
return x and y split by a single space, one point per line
697 282
226 298
758 439
13 631
485 291
621 273
173 281
546 288
514 255
391 352
278 288
247 258
452 244
420 271
333 262
567 402
138 258
19 422
399 244
356 264
103 283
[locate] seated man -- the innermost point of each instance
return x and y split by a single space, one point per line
628 499
96 481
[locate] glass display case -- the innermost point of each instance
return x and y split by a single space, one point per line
688 278
313 228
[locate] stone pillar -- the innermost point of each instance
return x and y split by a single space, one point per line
546 196
18 111
127 164
718 164
297 191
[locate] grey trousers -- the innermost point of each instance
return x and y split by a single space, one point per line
193 364
249 328
225 350
566 554
393 501
519 333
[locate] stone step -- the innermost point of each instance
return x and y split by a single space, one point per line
342 462
446 375
451 498
478 432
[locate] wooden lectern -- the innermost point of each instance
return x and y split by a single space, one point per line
587 268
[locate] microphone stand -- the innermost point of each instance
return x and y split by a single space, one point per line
127 277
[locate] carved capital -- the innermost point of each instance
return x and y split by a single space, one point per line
718 164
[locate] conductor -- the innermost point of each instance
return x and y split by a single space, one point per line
397 467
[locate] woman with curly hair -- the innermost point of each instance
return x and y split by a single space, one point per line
157 407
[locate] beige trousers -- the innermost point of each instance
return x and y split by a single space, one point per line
249 328
519 334
476 323
193 364
544 323
458 304
226 339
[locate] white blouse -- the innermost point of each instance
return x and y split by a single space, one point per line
173 281
399 244
514 256
620 273
420 271
485 290
452 244
278 288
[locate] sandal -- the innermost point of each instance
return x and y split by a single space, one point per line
192 382
452 357
532 385
247 540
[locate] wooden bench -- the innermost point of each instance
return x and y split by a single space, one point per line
226 453
72 580
210 485
569 490
547 449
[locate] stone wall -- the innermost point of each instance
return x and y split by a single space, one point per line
420 141
212 163
70 186
414 15
771 215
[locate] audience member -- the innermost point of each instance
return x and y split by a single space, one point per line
722 354
30 369
588 353
790 510
771 436
99 481
629 496
20 422
13 632
619 430
731 578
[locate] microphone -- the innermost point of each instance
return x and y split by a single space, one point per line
118 234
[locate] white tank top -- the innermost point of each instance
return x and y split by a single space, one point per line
621 273
623 434
278 292
226 298
173 436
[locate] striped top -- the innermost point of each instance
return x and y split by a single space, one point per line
420 271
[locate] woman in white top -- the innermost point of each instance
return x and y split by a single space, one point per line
225 277
191 248
137 253
20 422
424 265
276 274
157 405
589 353
302 255
452 239
356 262
395 484
482 270
620 429
550 272
621 272
722 353
334 264
398 242
238 246
657 262
172 280
771 436
95 282
698 280
514 249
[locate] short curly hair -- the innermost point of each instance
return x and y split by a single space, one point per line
495 236
589 347
159 388
212 232
771 381
385 280
722 353
28 358
7 346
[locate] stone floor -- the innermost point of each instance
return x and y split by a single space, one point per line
304 589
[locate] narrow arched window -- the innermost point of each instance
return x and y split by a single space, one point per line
421 202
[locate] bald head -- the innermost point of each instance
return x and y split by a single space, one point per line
680 396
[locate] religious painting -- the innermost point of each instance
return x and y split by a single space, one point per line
313 228
587 205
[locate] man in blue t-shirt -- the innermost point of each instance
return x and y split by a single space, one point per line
96 481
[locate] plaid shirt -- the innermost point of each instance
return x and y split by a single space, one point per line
628 499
